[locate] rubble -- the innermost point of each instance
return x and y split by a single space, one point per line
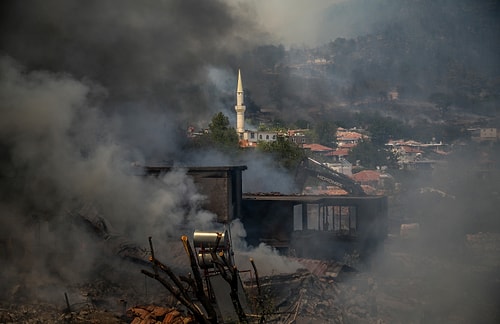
408 287
303 297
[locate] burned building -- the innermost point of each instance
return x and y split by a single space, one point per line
322 227
222 186
308 226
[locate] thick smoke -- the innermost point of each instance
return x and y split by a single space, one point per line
267 259
264 176
450 265
89 92
61 166
150 56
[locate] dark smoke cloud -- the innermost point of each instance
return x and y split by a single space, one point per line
155 52
88 89
59 162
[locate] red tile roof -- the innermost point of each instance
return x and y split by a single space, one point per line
246 143
366 176
369 190
339 152
317 147
349 134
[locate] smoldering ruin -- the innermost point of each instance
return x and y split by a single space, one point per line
358 271
95 101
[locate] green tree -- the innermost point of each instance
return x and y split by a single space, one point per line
370 155
325 132
222 135
381 128
286 153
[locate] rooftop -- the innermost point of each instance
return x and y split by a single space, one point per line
317 147
366 175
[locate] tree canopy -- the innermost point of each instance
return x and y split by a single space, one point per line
286 153
221 134
371 156
325 133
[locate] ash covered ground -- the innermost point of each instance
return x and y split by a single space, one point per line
404 284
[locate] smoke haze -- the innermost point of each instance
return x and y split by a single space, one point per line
295 22
153 52
59 158
89 90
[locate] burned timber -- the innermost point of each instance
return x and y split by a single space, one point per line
317 227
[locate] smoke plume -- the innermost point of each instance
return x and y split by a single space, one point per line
153 55
89 92
58 158
267 259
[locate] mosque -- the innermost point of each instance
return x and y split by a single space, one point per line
248 138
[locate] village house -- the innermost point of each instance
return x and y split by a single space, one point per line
251 138
414 151
484 134
338 155
318 150
374 181
298 136
342 166
415 155
348 138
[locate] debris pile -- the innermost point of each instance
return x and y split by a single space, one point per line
404 286
303 297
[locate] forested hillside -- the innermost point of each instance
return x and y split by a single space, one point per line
442 52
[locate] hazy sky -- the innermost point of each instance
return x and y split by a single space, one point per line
292 22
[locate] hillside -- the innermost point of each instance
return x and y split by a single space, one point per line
439 52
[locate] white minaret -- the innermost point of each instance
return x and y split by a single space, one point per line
240 107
